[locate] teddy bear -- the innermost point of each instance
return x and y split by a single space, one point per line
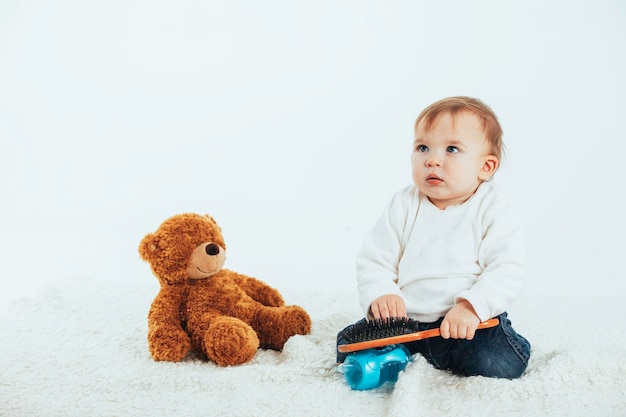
206 309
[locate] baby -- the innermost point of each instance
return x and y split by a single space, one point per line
449 250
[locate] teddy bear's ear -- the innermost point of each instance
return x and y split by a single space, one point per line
147 246
213 221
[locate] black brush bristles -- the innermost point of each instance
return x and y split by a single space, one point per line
364 330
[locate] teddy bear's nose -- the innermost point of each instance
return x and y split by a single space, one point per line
212 249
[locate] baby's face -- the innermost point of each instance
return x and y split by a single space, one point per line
451 159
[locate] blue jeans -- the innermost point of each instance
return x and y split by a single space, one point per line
497 352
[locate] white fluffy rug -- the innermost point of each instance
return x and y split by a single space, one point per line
80 349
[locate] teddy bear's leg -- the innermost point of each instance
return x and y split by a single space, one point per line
274 325
226 340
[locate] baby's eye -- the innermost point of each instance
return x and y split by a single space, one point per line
421 148
452 149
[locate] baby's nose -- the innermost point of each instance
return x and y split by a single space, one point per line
433 160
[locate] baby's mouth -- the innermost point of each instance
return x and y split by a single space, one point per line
433 180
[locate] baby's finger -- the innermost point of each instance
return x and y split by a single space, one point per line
444 329
454 331
375 311
470 333
383 310
461 332
392 309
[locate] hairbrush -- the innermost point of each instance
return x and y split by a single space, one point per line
382 332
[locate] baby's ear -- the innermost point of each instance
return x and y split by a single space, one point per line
490 165
147 246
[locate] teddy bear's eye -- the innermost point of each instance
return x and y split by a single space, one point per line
212 249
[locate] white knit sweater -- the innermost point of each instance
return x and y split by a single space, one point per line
433 258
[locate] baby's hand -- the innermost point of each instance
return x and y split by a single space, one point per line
460 322
386 306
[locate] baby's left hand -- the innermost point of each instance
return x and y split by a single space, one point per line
460 322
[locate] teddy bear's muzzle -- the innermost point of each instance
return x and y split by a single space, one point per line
206 260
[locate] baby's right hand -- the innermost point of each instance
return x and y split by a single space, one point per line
386 306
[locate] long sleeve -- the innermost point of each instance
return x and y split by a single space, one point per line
382 249
502 259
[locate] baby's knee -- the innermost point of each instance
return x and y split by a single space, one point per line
496 370
496 353
487 364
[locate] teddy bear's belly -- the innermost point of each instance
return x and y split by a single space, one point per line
234 303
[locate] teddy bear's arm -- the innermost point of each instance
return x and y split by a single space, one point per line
166 338
258 290
165 309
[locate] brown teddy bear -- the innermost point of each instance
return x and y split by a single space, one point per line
218 313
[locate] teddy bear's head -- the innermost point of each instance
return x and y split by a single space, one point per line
184 246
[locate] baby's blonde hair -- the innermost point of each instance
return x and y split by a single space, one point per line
457 104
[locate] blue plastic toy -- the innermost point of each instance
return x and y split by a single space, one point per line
371 368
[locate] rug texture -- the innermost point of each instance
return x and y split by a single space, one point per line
79 349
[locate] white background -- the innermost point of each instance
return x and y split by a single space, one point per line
291 123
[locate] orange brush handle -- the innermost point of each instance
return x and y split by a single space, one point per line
404 338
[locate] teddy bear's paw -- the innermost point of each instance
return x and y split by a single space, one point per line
167 344
230 341
276 326
296 321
